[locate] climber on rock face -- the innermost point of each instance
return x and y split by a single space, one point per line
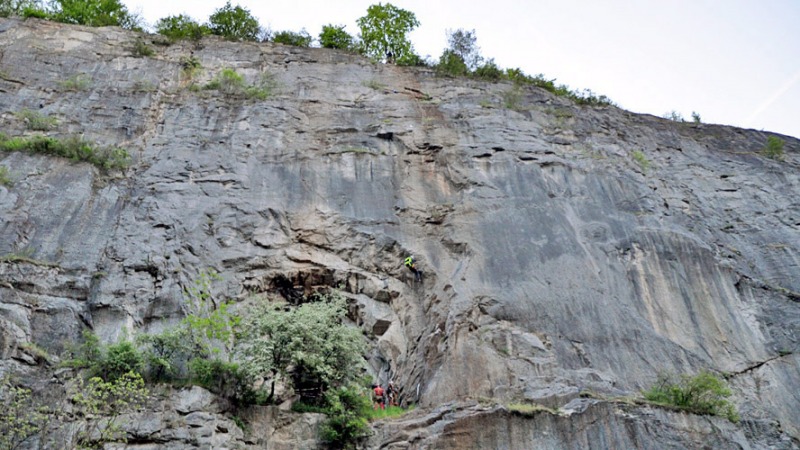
412 266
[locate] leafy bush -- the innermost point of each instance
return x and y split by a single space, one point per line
165 353
585 97
235 23
333 36
463 44
348 409
73 147
774 148
229 82
95 13
700 394
451 64
21 416
181 27
489 71
18 7
108 362
116 360
102 404
226 379
308 346
298 39
37 121
35 13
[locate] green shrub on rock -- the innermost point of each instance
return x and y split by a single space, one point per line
235 23
347 409
774 148
703 393
181 27
297 39
333 36
72 147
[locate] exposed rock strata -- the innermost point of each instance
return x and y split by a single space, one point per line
554 263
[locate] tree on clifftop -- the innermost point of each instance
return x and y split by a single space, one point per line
234 22
95 13
384 30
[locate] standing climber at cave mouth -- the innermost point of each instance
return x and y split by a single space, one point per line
412 266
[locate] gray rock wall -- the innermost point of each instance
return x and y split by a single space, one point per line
554 263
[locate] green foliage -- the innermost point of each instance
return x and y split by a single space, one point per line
333 36
209 326
587 97
451 64
297 39
700 394
18 7
108 362
5 178
181 27
73 147
85 354
489 71
142 50
463 44
164 353
35 12
21 417
308 346
641 160
95 13
235 23
79 82
226 379
37 121
348 409
696 117
774 148
584 97
390 411
384 30
231 83
118 359
102 403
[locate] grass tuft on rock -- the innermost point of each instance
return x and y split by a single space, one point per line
71 147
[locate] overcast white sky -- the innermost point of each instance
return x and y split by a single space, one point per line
735 62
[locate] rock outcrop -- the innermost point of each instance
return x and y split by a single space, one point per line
566 250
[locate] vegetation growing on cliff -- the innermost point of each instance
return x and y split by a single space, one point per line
235 23
231 83
773 148
703 393
71 147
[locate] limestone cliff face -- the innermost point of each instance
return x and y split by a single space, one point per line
555 264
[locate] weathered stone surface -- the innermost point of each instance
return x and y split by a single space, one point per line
554 263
